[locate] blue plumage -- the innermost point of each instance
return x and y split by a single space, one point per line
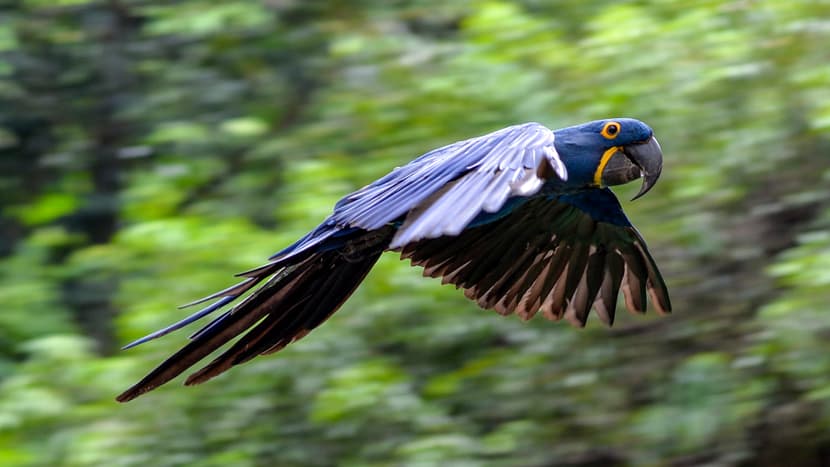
601 205
521 219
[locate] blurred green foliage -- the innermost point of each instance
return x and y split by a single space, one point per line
150 149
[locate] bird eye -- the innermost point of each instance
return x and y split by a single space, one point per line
610 130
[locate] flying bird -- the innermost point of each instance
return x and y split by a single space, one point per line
521 219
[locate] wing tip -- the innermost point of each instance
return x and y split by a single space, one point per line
660 300
200 377
132 393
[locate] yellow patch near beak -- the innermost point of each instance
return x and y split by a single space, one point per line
606 156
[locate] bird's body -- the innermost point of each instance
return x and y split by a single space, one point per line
521 219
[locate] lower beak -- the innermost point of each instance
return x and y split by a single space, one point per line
634 161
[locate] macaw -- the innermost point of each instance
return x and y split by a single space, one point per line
521 219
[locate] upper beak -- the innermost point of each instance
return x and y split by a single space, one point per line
632 162
649 158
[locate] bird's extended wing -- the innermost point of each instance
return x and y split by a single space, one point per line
559 254
443 190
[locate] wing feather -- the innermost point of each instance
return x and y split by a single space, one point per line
657 290
530 301
634 282
549 254
589 285
441 192
606 302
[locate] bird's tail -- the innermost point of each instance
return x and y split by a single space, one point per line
306 286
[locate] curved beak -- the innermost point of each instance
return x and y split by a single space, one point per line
632 162
649 158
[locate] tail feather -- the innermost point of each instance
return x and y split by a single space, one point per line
320 294
180 324
303 292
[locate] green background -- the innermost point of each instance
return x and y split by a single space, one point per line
148 150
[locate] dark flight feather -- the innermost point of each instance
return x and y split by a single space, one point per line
528 268
282 311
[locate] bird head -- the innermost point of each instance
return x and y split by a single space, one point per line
610 152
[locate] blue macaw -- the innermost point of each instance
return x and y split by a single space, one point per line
522 219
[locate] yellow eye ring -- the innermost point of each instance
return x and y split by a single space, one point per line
610 130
